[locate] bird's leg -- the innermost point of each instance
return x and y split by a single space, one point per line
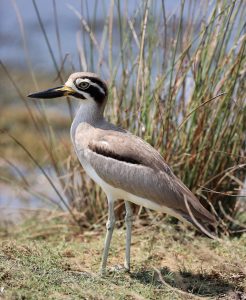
110 228
128 220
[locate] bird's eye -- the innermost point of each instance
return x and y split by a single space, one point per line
83 85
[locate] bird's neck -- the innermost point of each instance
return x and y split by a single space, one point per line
88 112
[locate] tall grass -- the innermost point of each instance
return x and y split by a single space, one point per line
177 80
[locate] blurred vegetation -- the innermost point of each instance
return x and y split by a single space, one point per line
177 82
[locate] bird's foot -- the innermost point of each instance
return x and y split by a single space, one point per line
102 272
119 269
127 266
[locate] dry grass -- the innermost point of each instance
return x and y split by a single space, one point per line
55 260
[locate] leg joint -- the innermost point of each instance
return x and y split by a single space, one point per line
128 218
110 224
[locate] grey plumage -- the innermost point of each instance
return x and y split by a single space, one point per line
126 162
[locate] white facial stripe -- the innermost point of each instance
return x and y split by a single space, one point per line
100 89
79 80
71 84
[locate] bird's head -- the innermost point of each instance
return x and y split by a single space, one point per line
83 85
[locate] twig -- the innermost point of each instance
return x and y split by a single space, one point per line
196 108
221 193
140 66
174 288
228 217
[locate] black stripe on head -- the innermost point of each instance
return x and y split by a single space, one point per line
94 91
78 95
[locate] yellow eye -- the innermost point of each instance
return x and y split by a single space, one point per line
83 85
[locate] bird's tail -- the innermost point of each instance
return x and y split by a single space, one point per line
200 217
193 212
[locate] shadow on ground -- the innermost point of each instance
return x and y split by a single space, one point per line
199 284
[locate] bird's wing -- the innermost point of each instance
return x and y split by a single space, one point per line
128 163
123 146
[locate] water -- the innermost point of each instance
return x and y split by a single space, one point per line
16 201
13 13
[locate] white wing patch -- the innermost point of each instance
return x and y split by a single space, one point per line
104 143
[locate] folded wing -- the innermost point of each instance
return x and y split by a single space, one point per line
128 163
